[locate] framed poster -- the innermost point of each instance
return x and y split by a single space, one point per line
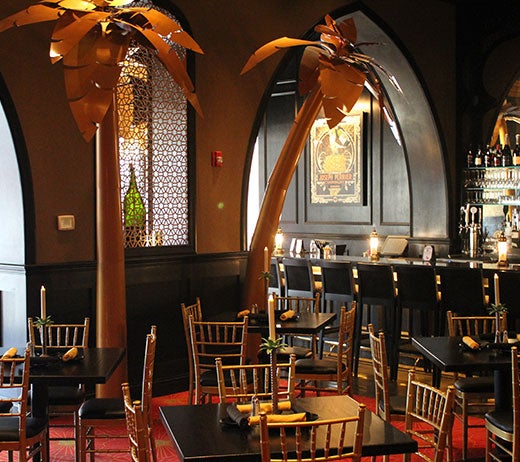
336 171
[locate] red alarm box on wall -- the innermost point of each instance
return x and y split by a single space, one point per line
217 159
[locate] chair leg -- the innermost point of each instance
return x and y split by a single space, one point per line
464 420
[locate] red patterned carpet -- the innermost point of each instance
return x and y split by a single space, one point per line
63 451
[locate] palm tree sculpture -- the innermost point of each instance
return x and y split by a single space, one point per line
92 38
333 73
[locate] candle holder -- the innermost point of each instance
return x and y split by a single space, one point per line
41 324
271 347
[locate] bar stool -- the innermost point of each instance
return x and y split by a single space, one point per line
376 288
276 284
462 291
337 290
417 294
299 280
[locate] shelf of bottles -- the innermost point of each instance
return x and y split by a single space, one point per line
493 176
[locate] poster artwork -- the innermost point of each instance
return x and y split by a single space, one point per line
336 162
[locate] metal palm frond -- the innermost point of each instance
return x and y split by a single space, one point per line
335 65
92 37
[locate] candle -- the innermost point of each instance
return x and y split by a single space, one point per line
43 303
266 260
497 289
271 318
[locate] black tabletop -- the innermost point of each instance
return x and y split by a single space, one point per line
306 323
448 354
198 434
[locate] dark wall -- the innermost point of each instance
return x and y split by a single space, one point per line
155 289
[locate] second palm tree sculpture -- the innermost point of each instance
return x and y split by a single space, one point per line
333 73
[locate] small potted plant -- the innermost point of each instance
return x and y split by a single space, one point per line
41 324
265 276
271 347
498 309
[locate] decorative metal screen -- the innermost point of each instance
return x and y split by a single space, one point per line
152 113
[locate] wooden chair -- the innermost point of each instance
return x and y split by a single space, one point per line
503 427
298 305
241 382
388 405
429 419
96 415
194 310
209 341
316 374
63 400
19 432
473 395
136 425
319 440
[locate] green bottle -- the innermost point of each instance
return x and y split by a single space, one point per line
134 214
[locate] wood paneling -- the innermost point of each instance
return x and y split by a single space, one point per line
156 286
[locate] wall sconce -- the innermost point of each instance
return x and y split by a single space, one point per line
502 250
374 245
278 242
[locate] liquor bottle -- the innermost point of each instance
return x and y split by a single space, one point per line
516 151
497 160
478 159
470 158
488 157
134 214
506 153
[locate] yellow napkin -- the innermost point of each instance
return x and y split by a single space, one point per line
10 353
279 418
71 354
243 313
266 407
470 342
287 315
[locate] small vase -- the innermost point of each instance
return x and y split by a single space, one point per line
43 337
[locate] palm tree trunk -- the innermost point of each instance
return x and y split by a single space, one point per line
274 197
110 287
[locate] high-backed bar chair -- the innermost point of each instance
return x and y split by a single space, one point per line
377 305
276 282
509 294
299 279
96 415
418 304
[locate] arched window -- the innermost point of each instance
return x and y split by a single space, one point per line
153 145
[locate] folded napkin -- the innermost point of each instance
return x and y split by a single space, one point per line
10 353
287 315
238 417
243 313
468 341
265 407
280 418
71 354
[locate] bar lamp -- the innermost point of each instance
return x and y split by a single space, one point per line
502 250
374 245
278 241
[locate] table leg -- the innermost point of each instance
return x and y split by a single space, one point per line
39 409
503 393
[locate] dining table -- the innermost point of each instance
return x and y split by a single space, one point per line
204 432
450 354
92 366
